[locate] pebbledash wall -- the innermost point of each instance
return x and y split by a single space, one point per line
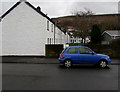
26 31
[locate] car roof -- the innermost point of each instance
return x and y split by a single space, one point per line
77 47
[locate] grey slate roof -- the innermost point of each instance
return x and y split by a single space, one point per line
112 32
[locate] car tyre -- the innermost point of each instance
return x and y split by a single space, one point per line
67 63
102 64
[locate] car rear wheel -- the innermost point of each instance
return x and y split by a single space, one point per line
68 63
102 64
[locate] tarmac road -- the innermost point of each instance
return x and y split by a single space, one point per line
21 76
39 60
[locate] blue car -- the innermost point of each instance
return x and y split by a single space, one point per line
83 55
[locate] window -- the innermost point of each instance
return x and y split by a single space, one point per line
74 40
51 27
73 51
85 51
50 40
48 25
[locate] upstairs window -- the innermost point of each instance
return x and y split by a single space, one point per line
51 27
48 41
48 25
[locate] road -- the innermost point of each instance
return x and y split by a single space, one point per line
20 76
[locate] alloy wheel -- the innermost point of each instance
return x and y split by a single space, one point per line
103 64
68 63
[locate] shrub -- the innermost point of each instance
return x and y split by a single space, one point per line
77 44
115 45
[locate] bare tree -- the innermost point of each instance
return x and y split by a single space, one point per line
82 23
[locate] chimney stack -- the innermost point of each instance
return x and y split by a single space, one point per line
23 1
38 9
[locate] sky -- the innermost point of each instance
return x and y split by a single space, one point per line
59 8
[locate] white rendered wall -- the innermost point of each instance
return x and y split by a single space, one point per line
24 32
0 38
50 33
58 35
75 40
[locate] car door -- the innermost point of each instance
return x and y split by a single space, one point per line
87 56
73 54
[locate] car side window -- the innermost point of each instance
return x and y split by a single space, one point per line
73 51
85 51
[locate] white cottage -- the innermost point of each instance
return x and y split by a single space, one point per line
26 30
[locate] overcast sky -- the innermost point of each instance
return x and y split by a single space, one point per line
58 8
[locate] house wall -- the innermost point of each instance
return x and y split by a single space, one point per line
24 32
117 37
106 37
60 37
63 38
76 40
67 38
49 33
0 38
79 40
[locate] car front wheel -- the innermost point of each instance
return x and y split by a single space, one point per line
102 64
68 63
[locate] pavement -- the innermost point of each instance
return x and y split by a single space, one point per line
40 60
